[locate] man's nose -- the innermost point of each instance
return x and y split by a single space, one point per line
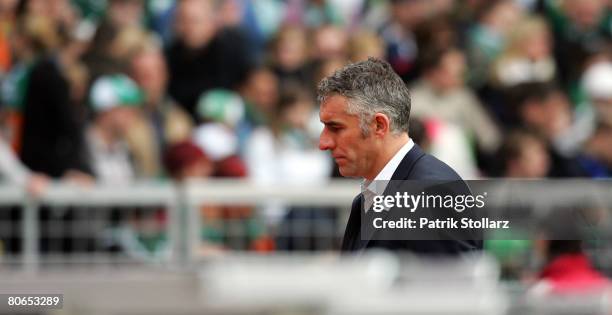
325 142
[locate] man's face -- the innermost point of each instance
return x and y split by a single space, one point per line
195 22
121 119
149 71
450 71
353 152
262 90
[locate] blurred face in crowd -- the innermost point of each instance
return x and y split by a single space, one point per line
117 121
297 114
531 39
123 13
37 7
537 45
366 44
201 168
551 117
230 13
150 73
532 161
63 12
354 152
448 75
604 109
195 22
503 16
330 42
440 7
291 48
409 13
262 89
7 6
584 13
600 145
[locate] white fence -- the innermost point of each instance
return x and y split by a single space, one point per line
181 202
270 284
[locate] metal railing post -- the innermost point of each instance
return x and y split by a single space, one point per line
30 240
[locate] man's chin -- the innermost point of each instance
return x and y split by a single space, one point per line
345 172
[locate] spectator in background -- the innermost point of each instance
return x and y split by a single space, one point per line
164 122
260 93
203 55
7 18
160 18
185 160
524 155
486 39
436 32
442 94
568 270
329 42
13 171
527 56
223 227
596 156
313 13
60 12
264 18
580 27
289 56
220 112
117 48
52 131
23 51
275 153
285 152
230 13
398 34
364 44
114 100
118 30
544 109
590 93
597 85
125 13
111 49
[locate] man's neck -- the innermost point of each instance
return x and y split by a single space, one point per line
390 148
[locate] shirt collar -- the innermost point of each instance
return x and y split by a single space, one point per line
379 184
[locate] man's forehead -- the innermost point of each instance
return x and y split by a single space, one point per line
333 107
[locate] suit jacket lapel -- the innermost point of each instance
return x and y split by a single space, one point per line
351 233
405 167
401 173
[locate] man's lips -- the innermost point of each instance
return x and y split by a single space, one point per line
339 159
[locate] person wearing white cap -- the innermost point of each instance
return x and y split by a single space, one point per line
597 83
114 100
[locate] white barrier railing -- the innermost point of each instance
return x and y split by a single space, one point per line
181 201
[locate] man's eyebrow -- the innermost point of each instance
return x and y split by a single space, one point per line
331 123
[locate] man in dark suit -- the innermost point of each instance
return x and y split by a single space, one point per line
365 108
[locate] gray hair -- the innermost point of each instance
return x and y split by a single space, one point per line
370 87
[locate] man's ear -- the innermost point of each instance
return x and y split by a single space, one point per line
382 124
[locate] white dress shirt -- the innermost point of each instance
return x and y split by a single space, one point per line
379 184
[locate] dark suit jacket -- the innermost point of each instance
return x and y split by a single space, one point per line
416 165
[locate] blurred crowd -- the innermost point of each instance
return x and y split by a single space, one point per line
120 90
